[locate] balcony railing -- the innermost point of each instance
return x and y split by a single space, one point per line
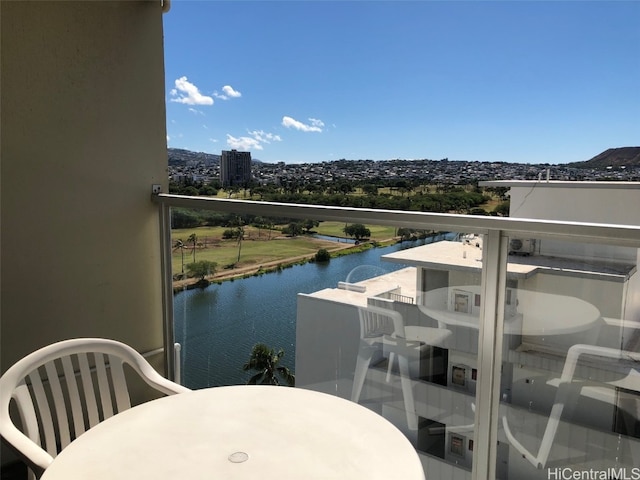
507 351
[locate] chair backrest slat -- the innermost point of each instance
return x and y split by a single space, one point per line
27 412
44 412
373 323
103 386
120 388
88 390
57 396
75 404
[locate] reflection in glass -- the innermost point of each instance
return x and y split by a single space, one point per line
390 355
571 364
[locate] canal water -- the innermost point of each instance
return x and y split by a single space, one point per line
218 326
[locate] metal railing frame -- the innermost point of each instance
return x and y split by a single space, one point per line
496 231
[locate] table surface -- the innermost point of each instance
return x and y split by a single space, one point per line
241 432
537 313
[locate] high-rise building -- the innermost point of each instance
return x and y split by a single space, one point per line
235 168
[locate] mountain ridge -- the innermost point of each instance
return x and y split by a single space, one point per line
612 157
619 157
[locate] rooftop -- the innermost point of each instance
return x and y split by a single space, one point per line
463 256
467 256
356 294
560 184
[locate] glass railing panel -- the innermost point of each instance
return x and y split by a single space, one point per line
570 386
249 292
245 293
394 323
390 342
358 325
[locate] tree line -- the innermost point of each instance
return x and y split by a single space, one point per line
450 199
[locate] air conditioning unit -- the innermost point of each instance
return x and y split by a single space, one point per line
519 246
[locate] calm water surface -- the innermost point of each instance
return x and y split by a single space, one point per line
218 326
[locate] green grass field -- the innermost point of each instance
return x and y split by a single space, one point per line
335 229
252 253
259 246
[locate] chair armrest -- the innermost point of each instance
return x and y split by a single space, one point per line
577 350
154 379
36 457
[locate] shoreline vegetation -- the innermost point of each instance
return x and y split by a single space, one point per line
239 248
247 270
255 251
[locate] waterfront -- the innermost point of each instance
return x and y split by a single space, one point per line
218 326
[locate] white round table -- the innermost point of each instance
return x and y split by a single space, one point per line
536 313
241 432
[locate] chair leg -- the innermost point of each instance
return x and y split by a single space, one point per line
362 365
407 392
392 357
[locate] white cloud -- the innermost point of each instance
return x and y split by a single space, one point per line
255 140
243 143
168 138
196 111
315 124
187 93
265 137
214 140
229 92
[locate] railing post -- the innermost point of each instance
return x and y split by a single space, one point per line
167 289
177 374
494 270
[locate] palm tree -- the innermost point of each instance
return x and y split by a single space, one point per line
259 223
270 225
240 232
179 244
265 361
193 239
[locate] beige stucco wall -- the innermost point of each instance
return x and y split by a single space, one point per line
83 139
590 202
595 202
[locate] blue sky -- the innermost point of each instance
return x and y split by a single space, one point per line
311 81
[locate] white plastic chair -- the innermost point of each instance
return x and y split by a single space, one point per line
565 384
384 327
61 391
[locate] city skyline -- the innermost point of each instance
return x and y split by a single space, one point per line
313 81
